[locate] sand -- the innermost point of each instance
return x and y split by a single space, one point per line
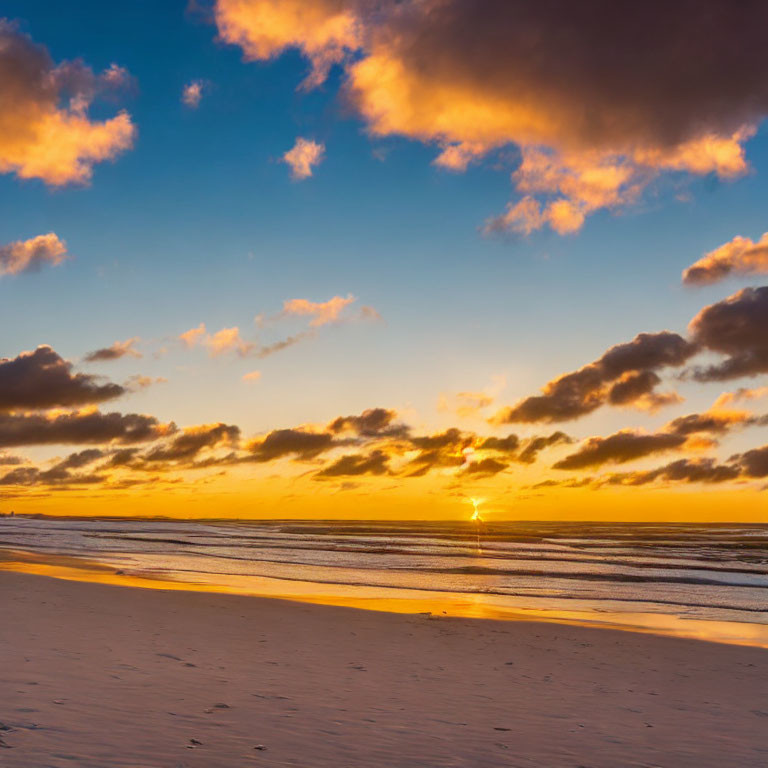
100 676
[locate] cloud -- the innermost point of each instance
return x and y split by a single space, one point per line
619 448
303 157
741 394
740 256
59 474
323 29
623 375
373 422
79 427
298 443
30 255
219 343
486 467
681 432
52 477
45 130
753 463
191 440
598 102
369 314
508 444
736 327
115 351
265 350
444 449
192 93
80 459
193 336
468 405
321 312
714 422
375 463
251 376
138 382
705 470
228 340
535 445
42 379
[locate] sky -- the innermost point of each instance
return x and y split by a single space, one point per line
346 259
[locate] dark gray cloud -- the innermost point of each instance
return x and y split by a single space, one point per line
619 448
581 392
89 427
43 379
534 445
736 327
114 352
373 422
704 470
508 444
297 443
597 74
632 387
713 422
753 463
51 477
188 443
485 467
81 459
374 463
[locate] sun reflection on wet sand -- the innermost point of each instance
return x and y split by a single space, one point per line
437 605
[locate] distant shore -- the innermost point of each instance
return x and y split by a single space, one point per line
98 676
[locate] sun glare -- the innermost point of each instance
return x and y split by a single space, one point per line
476 510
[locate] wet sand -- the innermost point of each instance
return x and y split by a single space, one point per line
100 676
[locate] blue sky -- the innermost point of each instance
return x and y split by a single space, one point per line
201 222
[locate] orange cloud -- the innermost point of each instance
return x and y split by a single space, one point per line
304 155
228 340
728 398
30 255
252 376
740 256
590 97
193 336
323 29
322 313
41 138
192 93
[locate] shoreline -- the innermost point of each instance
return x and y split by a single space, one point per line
100 677
398 601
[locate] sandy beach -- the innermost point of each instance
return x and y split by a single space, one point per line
100 676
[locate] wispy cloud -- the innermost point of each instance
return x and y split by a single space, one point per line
321 312
115 351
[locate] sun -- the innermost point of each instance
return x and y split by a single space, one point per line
476 510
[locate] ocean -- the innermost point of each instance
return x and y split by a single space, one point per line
694 579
